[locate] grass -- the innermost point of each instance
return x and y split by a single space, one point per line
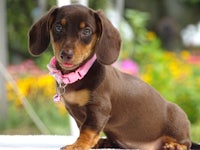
195 132
18 121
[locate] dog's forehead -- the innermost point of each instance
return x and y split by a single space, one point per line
75 14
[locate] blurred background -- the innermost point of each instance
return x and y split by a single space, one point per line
161 45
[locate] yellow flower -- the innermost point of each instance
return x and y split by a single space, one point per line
61 108
32 86
147 75
25 85
47 85
151 35
147 78
185 54
179 69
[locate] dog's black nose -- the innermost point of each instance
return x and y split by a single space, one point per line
66 55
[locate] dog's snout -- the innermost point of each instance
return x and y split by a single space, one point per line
66 55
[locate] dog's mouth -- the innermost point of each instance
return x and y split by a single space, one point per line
68 66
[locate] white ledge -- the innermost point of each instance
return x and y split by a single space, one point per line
34 142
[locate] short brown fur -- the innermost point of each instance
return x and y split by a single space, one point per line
131 113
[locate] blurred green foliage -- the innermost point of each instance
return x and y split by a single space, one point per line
169 72
192 1
19 20
19 122
98 4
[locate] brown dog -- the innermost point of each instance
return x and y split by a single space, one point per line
102 99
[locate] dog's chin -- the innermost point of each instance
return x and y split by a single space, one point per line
68 67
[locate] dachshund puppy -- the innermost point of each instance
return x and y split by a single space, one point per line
99 97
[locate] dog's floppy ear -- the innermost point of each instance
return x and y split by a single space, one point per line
39 36
108 45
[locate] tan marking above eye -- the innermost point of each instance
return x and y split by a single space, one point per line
82 25
64 21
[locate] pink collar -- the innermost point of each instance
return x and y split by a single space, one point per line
64 80
70 77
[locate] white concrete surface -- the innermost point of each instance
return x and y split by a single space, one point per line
32 142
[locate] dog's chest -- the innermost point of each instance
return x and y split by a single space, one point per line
80 97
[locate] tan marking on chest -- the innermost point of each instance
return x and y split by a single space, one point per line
80 97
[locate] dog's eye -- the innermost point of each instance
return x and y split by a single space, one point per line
58 28
86 31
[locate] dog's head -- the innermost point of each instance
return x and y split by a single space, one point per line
76 33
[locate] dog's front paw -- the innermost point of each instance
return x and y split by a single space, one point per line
75 147
174 146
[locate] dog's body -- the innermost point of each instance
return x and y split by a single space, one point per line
130 112
138 118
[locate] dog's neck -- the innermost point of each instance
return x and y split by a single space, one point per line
64 79
70 77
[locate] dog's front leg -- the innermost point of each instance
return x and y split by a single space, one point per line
87 139
97 115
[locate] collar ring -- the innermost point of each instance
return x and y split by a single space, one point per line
61 88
